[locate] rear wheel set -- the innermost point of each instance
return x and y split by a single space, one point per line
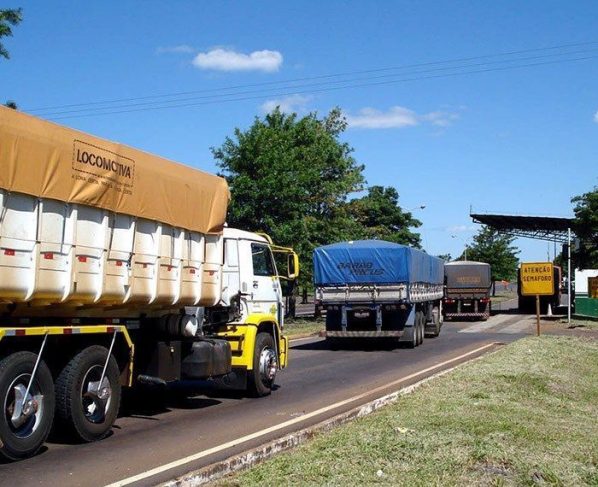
88 395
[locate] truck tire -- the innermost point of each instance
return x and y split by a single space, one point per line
436 322
24 439
265 364
421 328
80 412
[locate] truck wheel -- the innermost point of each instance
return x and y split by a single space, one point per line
421 328
81 409
436 320
265 365
21 437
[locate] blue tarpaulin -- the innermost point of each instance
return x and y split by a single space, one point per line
374 262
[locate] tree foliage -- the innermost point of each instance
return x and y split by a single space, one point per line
497 250
380 217
445 257
8 18
585 227
292 178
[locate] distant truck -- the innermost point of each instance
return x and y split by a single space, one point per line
467 290
378 289
116 269
527 304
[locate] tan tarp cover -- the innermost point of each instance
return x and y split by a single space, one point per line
47 160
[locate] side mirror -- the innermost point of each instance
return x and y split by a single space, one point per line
292 265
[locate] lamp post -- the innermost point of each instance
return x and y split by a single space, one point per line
465 244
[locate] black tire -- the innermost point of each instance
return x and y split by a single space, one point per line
413 341
260 384
25 440
422 327
77 414
436 321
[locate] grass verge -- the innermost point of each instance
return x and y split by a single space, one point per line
581 323
525 415
503 296
303 326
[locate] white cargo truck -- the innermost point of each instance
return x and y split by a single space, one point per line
116 268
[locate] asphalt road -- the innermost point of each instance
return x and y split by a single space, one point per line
151 433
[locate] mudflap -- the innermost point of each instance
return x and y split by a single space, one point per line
409 329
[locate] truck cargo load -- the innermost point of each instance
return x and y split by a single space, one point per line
467 292
373 288
374 262
88 222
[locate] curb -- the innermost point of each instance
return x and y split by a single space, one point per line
264 452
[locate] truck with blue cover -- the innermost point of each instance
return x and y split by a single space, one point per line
379 289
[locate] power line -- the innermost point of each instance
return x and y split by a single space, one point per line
275 91
500 68
314 78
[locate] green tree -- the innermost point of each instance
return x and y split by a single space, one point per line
445 257
290 177
497 250
8 18
380 217
585 227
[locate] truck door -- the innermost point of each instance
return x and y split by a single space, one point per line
265 289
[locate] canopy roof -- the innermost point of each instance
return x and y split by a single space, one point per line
551 228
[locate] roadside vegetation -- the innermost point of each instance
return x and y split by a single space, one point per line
502 296
300 327
582 323
525 415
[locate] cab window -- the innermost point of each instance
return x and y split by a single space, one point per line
262 260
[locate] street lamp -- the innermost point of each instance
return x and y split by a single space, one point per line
464 243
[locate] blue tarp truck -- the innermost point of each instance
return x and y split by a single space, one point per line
378 289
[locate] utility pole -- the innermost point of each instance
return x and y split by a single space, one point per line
569 277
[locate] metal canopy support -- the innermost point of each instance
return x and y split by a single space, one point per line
569 277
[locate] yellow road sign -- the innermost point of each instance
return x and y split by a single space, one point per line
593 287
537 278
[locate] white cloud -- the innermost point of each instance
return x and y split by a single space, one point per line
228 60
288 104
440 119
596 117
370 118
182 49
398 117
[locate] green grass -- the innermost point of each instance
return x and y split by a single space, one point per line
503 296
525 415
303 326
580 322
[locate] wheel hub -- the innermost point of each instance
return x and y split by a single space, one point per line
96 399
23 409
268 365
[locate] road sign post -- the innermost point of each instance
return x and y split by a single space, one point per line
537 279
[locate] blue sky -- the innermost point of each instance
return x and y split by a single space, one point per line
519 140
